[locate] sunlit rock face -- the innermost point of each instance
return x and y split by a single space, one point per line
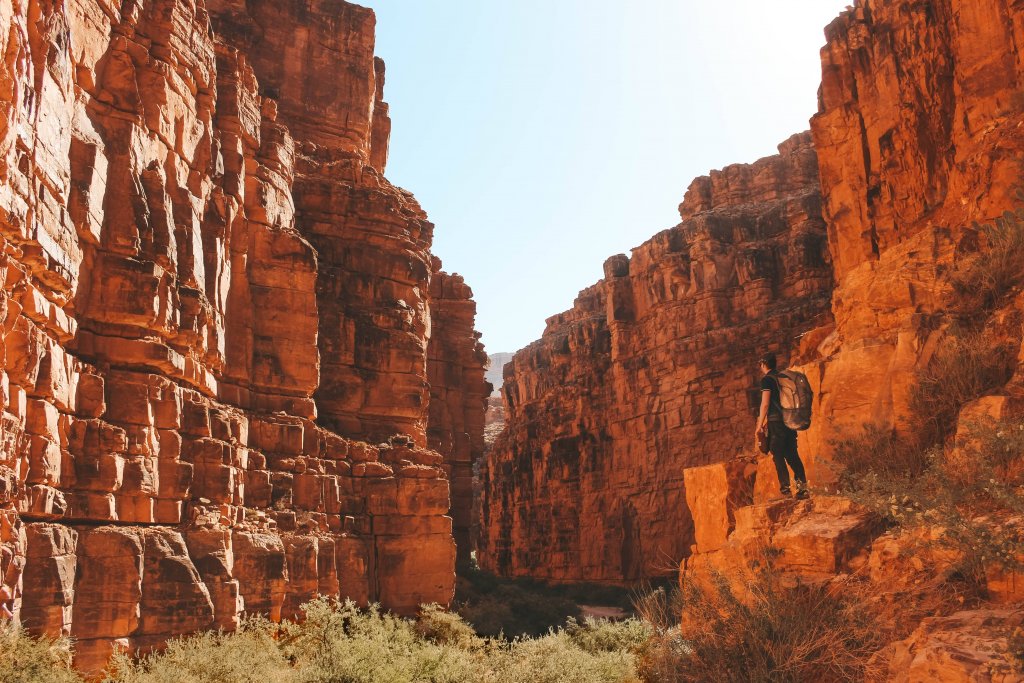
216 322
651 373
918 135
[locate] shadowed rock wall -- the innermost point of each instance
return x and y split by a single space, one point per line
216 317
458 395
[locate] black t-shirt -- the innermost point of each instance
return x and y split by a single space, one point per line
770 383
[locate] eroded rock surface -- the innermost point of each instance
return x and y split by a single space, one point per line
216 322
650 373
918 135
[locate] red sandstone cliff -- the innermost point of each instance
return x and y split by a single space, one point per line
219 359
649 373
918 135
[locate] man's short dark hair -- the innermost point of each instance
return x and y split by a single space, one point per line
768 360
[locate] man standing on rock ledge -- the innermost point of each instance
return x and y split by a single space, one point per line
781 439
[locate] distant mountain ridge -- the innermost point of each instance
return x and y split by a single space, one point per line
494 375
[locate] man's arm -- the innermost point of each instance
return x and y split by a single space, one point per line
766 399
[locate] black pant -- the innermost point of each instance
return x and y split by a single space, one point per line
782 444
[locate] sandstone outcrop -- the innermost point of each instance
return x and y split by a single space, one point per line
650 373
966 646
219 363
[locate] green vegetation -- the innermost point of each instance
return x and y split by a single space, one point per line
340 643
33 660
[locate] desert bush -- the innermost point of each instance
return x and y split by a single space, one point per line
601 635
441 627
658 660
339 643
1017 648
773 632
248 655
877 450
966 365
557 658
24 659
982 279
972 489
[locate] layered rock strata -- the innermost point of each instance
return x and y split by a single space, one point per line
918 136
216 322
651 373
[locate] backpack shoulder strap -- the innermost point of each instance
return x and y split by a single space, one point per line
776 400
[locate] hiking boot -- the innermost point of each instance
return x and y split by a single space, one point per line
783 495
802 493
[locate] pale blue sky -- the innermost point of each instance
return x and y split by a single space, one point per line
543 136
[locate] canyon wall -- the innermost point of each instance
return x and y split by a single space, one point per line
650 373
918 134
216 320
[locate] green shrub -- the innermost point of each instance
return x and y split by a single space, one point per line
340 643
24 659
556 658
601 635
248 655
441 627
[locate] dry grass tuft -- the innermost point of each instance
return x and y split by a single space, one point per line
983 279
774 632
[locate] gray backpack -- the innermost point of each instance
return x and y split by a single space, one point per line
795 398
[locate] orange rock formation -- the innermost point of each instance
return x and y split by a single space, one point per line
918 135
234 376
